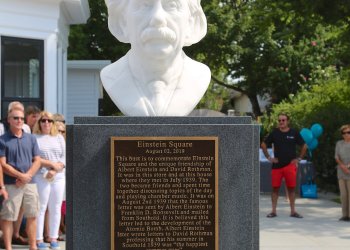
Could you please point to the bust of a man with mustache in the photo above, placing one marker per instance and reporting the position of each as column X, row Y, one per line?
column 155, row 77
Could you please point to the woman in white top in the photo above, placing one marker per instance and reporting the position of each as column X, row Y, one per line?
column 50, row 178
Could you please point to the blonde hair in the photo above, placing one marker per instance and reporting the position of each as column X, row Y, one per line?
column 37, row 127
column 59, row 117
column 61, row 124
column 342, row 128
column 14, row 108
column 15, row 105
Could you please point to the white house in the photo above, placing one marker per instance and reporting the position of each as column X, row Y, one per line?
column 84, row 88
column 243, row 105
column 33, row 57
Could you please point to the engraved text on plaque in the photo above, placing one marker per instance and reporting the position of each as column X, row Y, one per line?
column 164, row 193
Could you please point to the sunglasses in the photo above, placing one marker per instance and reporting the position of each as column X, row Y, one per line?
column 62, row 131
column 282, row 120
column 345, row 132
column 16, row 118
column 46, row 120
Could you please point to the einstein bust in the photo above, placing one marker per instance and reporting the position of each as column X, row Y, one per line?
column 155, row 77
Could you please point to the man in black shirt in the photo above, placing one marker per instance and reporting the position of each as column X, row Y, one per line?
column 284, row 162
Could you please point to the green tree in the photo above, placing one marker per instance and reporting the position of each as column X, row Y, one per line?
column 336, row 12
column 256, row 47
column 264, row 47
column 93, row 40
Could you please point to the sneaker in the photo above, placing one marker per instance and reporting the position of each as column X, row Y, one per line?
column 41, row 245
column 54, row 245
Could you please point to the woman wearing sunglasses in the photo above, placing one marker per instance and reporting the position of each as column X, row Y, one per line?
column 342, row 157
column 50, row 178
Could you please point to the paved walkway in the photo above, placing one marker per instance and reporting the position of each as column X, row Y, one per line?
column 17, row 247
column 318, row 230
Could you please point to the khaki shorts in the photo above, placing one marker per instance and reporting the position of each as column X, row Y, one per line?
column 26, row 196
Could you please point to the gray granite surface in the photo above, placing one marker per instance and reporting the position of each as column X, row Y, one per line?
column 88, row 175
column 162, row 120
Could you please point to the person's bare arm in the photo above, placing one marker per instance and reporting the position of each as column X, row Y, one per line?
column 36, row 163
column 342, row 165
column 11, row 171
column 301, row 156
column 303, row 151
column 266, row 153
column 3, row 191
column 57, row 166
column 264, row 149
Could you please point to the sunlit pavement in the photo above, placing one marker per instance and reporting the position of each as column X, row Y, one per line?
column 318, row 230
column 18, row 247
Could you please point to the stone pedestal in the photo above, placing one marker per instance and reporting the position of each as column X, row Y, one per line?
column 89, row 174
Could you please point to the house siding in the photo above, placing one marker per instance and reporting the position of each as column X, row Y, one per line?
column 84, row 88
column 48, row 21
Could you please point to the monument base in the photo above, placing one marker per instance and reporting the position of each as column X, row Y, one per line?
column 91, row 192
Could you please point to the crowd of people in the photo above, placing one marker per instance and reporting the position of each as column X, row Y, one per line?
column 285, row 161
column 32, row 177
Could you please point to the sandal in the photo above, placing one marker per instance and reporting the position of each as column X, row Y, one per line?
column 271, row 215
column 296, row 215
column 19, row 241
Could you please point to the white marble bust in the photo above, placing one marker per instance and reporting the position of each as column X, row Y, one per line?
column 156, row 78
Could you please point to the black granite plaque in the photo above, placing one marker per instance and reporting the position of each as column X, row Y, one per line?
column 164, row 193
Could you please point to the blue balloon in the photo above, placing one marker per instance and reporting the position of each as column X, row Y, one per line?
column 313, row 144
column 307, row 135
column 316, row 130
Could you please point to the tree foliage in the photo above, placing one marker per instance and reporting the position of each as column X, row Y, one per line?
column 257, row 47
column 266, row 47
column 93, row 40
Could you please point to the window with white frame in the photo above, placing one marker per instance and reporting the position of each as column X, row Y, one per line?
column 22, row 72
